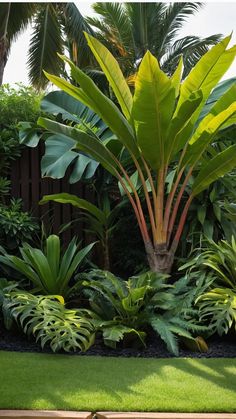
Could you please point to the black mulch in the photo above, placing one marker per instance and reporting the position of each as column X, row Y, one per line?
column 224, row 347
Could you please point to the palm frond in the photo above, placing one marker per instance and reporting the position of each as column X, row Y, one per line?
column 46, row 42
column 74, row 24
column 145, row 19
column 173, row 19
column 14, row 18
column 113, row 16
column 192, row 48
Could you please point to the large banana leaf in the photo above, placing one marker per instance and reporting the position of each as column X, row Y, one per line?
column 203, row 137
column 181, row 125
column 154, row 101
column 84, row 142
column 208, row 71
column 58, row 156
column 114, row 75
column 90, row 95
column 60, row 151
column 219, row 92
column 222, row 97
column 176, row 78
column 70, row 109
column 223, row 163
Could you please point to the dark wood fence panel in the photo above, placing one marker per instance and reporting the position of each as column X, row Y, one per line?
column 27, row 184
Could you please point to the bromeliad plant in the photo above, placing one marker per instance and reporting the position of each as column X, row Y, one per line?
column 158, row 127
column 50, row 271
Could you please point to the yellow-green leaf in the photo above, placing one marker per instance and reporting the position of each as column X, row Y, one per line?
column 223, row 163
column 154, row 101
column 113, row 73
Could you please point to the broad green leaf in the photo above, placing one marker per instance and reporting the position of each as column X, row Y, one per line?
column 74, row 265
column 113, row 73
column 59, row 102
column 66, row 198
column 42, row 268
column 58, row 156
column 91, row 96
column 153, row 106
column 28, row 134
column 223, row 103
column 83, row 167
column 84, row 142
column 181, row 126
column 69, row 88
column 201, row 214
column 18, row 264
column 220, row 90
column 204, row 135
column 176, row 77
column 223, row 163
column 208, row 71
column 53, row 247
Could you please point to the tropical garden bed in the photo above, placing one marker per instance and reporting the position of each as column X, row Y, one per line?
column 218, row 347
column 137, row 288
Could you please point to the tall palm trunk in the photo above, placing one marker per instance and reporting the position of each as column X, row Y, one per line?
column 3, row 59
column 3, row 38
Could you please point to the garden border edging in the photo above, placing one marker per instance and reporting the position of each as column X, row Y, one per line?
column 53, row 414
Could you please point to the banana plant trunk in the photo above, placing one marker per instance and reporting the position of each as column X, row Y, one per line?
column 160, row 259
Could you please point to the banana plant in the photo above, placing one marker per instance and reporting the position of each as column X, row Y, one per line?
column 60, row 152
column 158, row 128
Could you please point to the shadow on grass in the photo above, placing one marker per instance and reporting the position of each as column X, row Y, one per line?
column 42, row 381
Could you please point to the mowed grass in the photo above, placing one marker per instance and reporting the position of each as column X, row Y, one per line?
column 43, row 381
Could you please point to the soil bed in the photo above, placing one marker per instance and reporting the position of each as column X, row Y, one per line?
column 219, row 347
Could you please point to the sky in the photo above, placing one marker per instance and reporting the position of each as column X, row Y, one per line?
column 215, row 17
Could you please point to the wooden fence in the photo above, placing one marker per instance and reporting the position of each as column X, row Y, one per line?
column 27, row 184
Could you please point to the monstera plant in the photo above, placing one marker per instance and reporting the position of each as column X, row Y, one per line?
column 160, row 131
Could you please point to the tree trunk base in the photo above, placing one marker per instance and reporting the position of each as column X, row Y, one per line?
column 160, row 259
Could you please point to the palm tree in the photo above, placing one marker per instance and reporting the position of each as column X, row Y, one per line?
column 14, row 17
column 130, row 29
column 56, row 26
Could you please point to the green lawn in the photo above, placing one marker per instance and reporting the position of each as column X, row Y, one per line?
column 42, row 381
